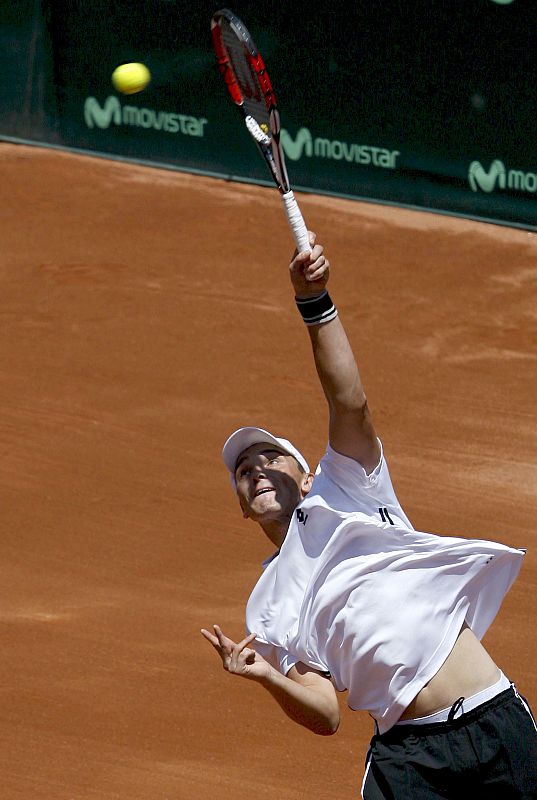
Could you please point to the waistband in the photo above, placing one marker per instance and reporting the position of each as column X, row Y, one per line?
column 398, row 733
column 461, row 706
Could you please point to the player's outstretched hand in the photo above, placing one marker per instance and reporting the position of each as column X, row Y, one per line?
column 237, row 657
column 309, row 271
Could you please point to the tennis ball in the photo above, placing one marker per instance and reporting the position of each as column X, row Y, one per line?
column 131, row 78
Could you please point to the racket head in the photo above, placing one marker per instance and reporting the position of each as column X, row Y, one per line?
column 246, row 77
column 242, row 67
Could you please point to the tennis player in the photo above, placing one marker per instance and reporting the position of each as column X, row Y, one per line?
column 355, row 599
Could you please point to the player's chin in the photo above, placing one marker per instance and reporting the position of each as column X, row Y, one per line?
column 265, row 506
column 265, row 509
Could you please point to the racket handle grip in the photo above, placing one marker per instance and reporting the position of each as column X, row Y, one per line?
column 296, row 222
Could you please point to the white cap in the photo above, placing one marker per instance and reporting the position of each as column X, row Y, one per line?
column 246, row 437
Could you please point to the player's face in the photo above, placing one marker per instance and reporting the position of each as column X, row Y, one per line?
column 270, row 484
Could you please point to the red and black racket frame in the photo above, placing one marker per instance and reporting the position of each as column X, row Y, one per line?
column 262, row 87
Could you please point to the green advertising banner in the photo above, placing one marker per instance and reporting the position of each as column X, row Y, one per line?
column 427, row 104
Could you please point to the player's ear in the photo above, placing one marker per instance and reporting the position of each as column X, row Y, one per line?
column 307, row 480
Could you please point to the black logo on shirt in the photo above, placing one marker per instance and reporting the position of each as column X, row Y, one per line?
column 301, row 516
column 385, row 517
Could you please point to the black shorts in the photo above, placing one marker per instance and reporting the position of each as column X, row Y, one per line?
column 489, row 753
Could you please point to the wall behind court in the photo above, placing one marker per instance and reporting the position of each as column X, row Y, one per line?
column 428, row 104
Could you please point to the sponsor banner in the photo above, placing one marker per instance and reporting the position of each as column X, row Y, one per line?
column 421, row 112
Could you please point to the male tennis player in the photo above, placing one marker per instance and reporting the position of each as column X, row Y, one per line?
column 355, row 599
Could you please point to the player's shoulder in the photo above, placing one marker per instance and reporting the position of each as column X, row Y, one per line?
column 341, row 483
column 344, row 470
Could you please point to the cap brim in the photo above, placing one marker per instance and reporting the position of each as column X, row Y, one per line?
column 244, row 438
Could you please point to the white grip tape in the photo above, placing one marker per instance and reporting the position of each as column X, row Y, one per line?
column 296, row 223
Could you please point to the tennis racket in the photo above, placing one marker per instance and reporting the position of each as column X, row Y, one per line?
column 249, row 85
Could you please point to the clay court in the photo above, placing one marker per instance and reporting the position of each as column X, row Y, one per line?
column 145, row 315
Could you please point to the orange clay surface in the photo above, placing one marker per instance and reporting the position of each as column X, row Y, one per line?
column 145, row 314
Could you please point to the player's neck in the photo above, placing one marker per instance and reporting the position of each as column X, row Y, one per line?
column 276, row 530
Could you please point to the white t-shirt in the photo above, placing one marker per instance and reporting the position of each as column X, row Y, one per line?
column 357, row 592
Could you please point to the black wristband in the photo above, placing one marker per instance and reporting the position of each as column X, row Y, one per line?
column 316, row 310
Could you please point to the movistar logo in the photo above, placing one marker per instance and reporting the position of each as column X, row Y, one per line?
column 319, row 147
column 486, row 181
column 102, row 117
column 498, row 176
column 293, row 148
column 113, row 112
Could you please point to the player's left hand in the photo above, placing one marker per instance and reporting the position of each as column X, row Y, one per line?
column 309, row 271
column 237, row 657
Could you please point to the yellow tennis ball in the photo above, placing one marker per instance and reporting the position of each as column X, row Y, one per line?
column 131, row 78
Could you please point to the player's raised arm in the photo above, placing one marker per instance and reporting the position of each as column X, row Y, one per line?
column 351, row 430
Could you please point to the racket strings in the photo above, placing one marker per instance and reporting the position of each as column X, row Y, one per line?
column 246, row 68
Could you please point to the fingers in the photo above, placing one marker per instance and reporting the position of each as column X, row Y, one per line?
column 236, row 657
column 304, row 253
column 245, row 642
column 241, row 654
column 242, row 657
column 210, row 638
column 309, row 259
column 312, row 265
column 220, row 636
column 231, row 652
column 220, row 642
column 317, row 268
